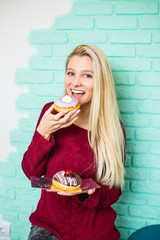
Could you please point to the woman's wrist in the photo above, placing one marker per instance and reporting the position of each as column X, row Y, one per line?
column 43, row 134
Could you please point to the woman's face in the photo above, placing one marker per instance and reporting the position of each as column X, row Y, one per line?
column 79, row 78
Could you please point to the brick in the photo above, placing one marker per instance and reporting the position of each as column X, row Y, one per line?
column 126, row 187
column 23, row 227
column 128, row 222
column 59, row 77
column 16, row 183
column 7, row 169
column 135, row 120
column 47, row 90
column 74, row 23
column 28, row 101
column 128, row 161
column 27, row 195
column 154, row 201
column 29, row 76
column 33, row 114
column 120, row 209
column 132, row 198
column 154, row 175
column 18, row 136
column 155, row 93
column 150, row 22
column 145, row 187
column 124, row 78
column 14, row 158
column 96, row 8
column 6, row 193
column 147, row 161
column 47, row 37
column 116, row 22
column 13, row 205
column 137, row 147
column 63, row 50
column 137, row 7
column 15, row 235
column 130, row 64
column 20, row 172
column 156, row 36
column 46, row 63
column 27, row 124
column 136, row 174
column 124, row 233
column 149, row 79
column 151, row 222
column 125, row 107
column 156, row 65
column 118, row 50
column 10, row 216
column 145, row 212
column 137, row 36
column 147, row 134
column 148, row 51
column 20, row 147
column 155, row 121
column 24, row 237
column 149, row 106
column 23, row 217
column 87, row 37
column 155, row 148
column 44, row 50
column 129, row 133
column 132, row 92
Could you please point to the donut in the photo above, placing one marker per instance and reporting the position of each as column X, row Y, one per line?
column 66, row 103
column 66, row 181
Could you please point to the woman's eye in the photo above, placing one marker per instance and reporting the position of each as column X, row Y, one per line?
column 88, row 76
column 70, row 73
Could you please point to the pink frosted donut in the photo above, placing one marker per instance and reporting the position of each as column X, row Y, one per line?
column 67, row 180
column 66, row 103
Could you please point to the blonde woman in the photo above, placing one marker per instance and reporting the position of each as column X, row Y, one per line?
column 90, row 142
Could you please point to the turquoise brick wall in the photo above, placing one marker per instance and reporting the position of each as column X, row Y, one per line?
column 129, row 33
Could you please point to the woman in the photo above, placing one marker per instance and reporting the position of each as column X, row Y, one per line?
column 90, row 142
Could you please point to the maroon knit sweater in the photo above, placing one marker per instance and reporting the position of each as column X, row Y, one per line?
column 87, row 217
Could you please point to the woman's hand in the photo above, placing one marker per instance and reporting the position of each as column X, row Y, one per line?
column 90, row 191
column 51, row 123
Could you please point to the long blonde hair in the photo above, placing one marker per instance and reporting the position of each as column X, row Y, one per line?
column 106, row 138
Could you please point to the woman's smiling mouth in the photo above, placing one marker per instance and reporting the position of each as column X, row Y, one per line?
column 77, row 93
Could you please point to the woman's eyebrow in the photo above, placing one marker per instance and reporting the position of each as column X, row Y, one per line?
column 81, row 70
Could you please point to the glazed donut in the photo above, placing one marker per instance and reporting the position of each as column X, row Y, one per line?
column 66, row 181
column 66, row 103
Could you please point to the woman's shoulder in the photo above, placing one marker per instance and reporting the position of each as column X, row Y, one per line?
column 48, row 105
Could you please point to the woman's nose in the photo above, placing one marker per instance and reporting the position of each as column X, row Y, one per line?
column 76, row 81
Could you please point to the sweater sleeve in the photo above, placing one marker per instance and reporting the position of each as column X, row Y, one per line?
column 35, row 158
column 104, row 196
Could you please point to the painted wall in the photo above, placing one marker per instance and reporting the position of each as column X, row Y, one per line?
column 129, row 33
